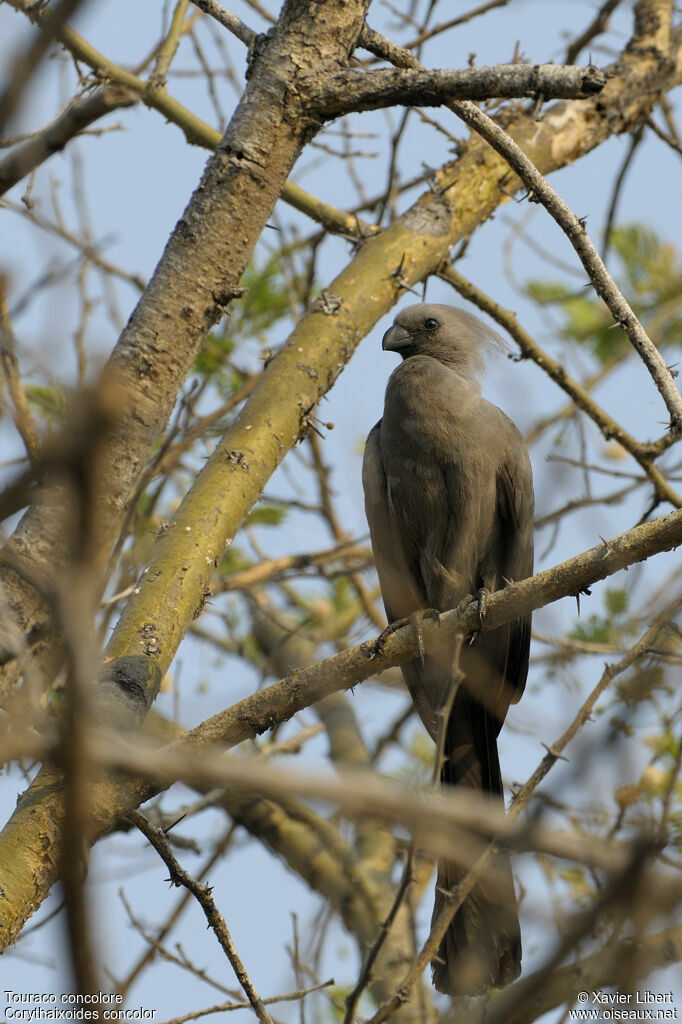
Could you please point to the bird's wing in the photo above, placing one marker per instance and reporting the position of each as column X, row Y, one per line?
column 401, row 586
column 401, row 592
column 515, row 508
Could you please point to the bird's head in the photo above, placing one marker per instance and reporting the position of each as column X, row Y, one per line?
column 452, row 336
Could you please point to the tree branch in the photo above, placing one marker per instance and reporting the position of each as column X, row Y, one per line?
column 348, row 552
column 228, row 20
column 346, row 91
column 202, row 894
column 24, row 65
column 79, row 114
column 582, row 399
column 538, row 993
column 574, row 228
column 596, row 27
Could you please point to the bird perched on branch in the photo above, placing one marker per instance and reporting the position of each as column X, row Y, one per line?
column 449, row 500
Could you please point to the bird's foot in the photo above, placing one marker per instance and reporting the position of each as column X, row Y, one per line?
column 481, row 598
column 415, row 622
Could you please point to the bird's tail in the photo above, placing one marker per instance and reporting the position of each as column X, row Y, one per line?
column 482, row 946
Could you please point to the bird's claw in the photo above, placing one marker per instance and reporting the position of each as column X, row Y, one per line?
column 415, row 622
column 380, row 641
column 481, row 599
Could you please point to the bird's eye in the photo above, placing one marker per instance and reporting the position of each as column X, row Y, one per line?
column 431, row 324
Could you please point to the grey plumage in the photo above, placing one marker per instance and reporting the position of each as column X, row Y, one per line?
column 449, row 501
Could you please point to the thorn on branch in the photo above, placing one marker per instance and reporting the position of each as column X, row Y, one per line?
column 236, row 458
column 553, row 752
column 538, row 104
column 327, row 303
column 400, row 278
column 223, row 297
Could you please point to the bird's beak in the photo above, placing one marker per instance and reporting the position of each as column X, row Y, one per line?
column 395, row 338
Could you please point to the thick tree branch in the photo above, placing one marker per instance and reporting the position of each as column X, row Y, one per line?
column 653, row 24
column 346, row 91
column 198, row 274
column 26, row 62
column 454, row 823
column 79, row 114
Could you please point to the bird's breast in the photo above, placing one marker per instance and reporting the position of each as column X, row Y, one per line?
column 429, row 410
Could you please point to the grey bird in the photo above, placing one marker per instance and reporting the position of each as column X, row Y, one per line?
column 449, row 501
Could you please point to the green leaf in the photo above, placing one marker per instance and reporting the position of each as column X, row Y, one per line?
column 213, row 354
column 616, row 600
column 52, row 403
column 547, row 292
column 650, row 276
column 232, row 561
column 267, row 515
column 607, row 627
column 266, row 300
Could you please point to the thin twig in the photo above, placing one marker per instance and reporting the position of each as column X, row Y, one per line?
column 202, row 894
column 639, row 650
column 124, row 985
column 82, row 111
column 288, row 997
column 169, row 47
column 228, row 20
column 365, row 976
column 87, row 251
column 637, row 137
column 668, row 139
column 609, row 427
column 23, row 417
column 541, row 191
column 596, row 27
column 444, row 26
